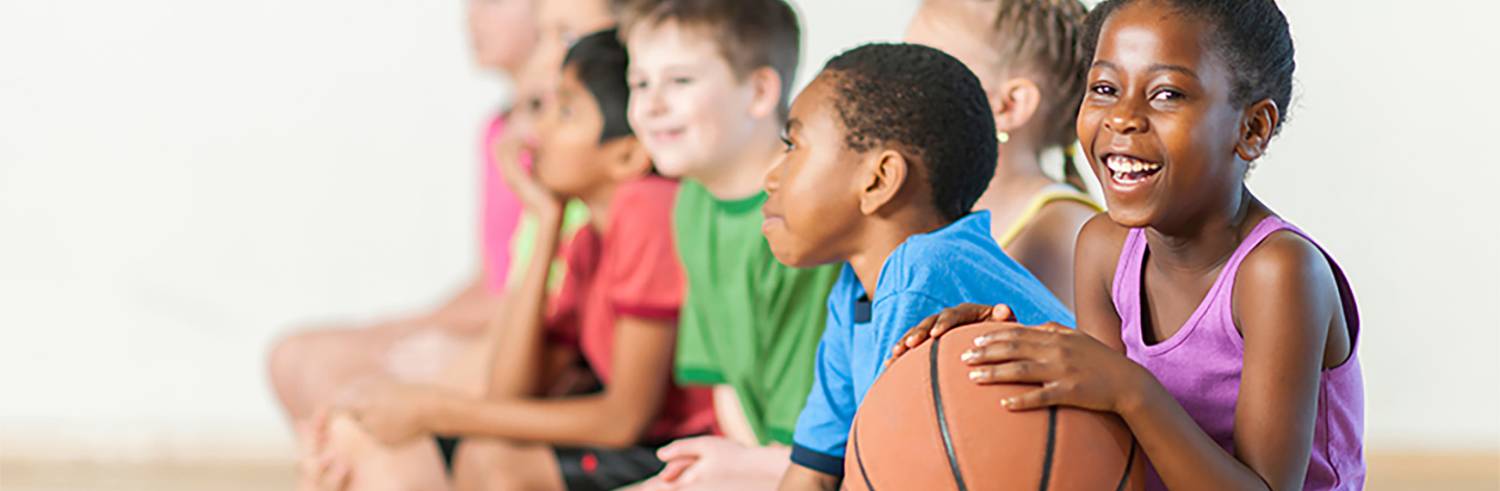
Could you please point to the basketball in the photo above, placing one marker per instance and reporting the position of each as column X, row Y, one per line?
column 924, row 425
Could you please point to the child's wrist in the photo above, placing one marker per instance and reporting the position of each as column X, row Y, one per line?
column 1140, row 388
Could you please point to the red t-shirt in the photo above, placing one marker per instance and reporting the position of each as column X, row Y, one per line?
column 631, row 271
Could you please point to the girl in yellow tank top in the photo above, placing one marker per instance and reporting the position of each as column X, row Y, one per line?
column 1029, row 56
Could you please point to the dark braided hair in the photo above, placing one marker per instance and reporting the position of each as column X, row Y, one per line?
column 1046, row 37
column 1251, row 37
column 926, row 105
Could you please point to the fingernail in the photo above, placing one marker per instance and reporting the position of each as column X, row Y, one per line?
column 979, row 341
column 967, row 356
column 975, row 374
column 1007, row 402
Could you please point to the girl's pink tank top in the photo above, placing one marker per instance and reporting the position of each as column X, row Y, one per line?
column 1201, row 364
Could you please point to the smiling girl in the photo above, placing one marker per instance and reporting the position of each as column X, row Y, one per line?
column 1224, row 336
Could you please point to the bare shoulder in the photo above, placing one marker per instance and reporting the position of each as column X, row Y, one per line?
column 1059, row 222
column 1285, row 283
column 1100, row 241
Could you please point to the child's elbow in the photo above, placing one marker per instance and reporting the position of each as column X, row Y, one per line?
column 622, row 427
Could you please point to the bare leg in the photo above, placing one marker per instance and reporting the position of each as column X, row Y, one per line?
column 499, row 465
column 307, row 368
column 412, row 466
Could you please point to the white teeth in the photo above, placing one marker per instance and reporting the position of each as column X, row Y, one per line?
column 1122, row 164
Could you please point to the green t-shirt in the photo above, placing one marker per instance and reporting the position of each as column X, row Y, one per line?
column 747, row 321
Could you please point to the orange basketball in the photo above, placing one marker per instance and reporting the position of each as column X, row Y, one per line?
column 924, row 425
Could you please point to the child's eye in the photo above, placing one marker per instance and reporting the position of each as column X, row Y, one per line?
column 681, row 80
column 638, row 85
column 1166, row 95
column 1102, row 89
column 787, row 142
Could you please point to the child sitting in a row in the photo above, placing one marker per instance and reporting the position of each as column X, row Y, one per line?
column 617, row 309
column 886, row 152
column 1222, row 335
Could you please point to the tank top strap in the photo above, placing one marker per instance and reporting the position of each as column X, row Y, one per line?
column 1125, row 291
column 1053, row 192
column 1264, row 229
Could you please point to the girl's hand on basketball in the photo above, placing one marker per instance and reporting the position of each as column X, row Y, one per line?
column 1073, row 368
column 392, row 413
column 952, row 317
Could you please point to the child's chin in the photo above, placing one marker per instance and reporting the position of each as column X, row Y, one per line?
column 1131, row 216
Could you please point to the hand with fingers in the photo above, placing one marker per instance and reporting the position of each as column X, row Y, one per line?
column 391, row 412
column 510, row 151
column 714, row 462
column 942, row 322
column 1073, row 368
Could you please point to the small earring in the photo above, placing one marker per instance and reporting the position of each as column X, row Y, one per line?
column 1002, row 136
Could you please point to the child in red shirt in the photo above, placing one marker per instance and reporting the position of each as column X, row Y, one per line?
column 616, row 310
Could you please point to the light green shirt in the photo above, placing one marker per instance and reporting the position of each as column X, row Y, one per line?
column 748, row 321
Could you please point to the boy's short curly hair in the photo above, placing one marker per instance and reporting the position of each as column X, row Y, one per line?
column 750, row 34
column 926, row 105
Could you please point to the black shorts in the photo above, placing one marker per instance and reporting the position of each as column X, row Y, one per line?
column 588, row 469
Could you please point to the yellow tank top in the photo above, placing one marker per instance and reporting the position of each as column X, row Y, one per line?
column 1054, row 192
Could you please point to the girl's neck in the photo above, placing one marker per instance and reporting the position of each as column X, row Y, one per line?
column 1018, row 177
column 1203, row 242
column 745, row 175
column 1019, row 167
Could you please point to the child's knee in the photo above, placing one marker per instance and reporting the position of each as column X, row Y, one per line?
column 288, row 354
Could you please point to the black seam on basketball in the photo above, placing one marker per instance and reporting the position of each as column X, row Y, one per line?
column 942, row 420
column 1129, row 462
column 1051, row 447
column 861, row 461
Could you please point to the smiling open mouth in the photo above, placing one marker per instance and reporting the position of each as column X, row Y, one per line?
column 1130, row 170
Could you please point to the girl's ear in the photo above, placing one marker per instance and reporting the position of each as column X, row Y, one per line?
column 767, row 86
column 887, row 173
column 1256, row 128
column 1014, row 103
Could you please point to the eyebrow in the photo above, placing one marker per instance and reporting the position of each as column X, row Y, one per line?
column 1155, row 67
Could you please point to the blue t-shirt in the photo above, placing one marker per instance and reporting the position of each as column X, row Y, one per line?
column 929, row 272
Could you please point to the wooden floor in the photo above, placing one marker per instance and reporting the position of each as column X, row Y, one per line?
column 1387, row 472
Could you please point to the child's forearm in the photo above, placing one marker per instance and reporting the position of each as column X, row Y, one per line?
column 1183, row 455
column 798, row 478
column 517, row 335
column 593, row 420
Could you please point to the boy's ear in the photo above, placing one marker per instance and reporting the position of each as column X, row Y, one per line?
column 628, row 158
column 888, row 172
column 767, row 87
column 1014, row 103
column 1256, row 128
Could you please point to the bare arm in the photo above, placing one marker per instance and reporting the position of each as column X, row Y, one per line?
column 1284, row 320
column 615, row 418
column 517, row 334
column 1284, row 315
column 1047, row 246
column 731, row 416
column 801, row 478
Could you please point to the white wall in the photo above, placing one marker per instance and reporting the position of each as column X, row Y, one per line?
column 182, row 180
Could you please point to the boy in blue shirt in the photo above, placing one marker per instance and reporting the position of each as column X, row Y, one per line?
column 887, row 151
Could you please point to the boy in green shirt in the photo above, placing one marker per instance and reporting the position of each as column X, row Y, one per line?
column 709, row 83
